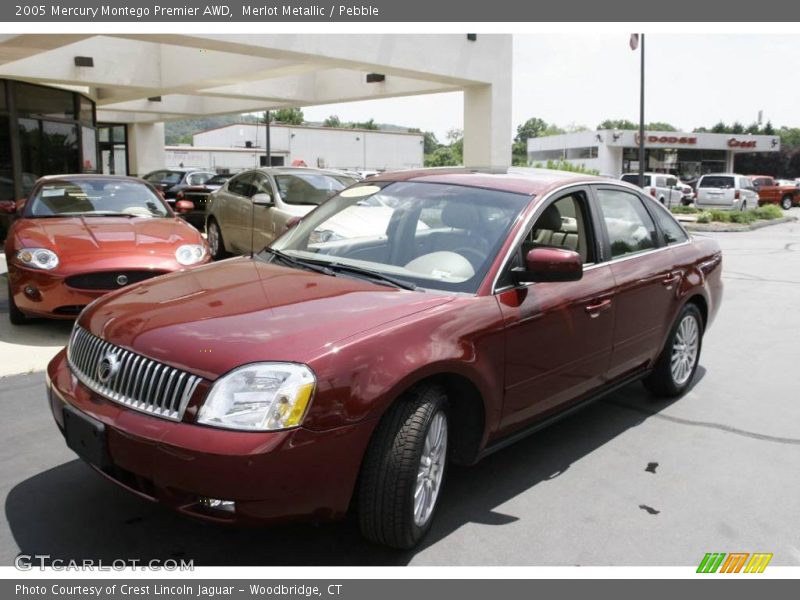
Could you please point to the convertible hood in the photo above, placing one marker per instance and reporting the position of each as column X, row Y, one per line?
column 210, row 319
column 76, row 236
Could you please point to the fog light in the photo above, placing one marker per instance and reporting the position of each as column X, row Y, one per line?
column 32, row 292
column 228, row 506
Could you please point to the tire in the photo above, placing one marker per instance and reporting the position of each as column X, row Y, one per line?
column 787, row 202
column 15, row 315
column 217, row 246
column 402, row 462
column 666, row 381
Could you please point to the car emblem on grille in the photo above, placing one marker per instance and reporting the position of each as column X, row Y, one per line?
column 122, row 280
column 107, row 368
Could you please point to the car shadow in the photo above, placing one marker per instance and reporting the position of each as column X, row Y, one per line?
column 71, row 513
column 36, row 332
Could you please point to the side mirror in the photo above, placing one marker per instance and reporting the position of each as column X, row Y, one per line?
column 262, row 199
column 549, row 264
column 293, row 222
column 184, row 206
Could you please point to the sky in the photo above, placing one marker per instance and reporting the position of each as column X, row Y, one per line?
column 691, row 80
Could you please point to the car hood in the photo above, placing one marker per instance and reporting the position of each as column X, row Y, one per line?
column 76, row 236
column 211, row 319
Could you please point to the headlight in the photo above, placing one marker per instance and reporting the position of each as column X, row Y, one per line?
column 259, row 397
column 190, row 254
column 38, row 258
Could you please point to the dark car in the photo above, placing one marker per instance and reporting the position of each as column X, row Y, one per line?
column 78, row 237
column 324, row 374
column 171, row 181
column 199, row 195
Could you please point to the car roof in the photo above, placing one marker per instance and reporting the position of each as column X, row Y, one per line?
column 520, row 180
column 721, row 175
column 290, row 170
column 89, row 176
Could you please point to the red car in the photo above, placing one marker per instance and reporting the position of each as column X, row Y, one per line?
column 78, row 237
column 771, row 192
column 329, row 373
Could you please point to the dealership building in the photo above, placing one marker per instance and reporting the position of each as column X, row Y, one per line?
column 231, row 148
column 613, row 152
column 98, row 103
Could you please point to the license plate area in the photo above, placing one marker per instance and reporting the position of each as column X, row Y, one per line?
column 86, row 437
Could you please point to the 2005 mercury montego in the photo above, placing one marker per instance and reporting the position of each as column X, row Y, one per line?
column 348, row 370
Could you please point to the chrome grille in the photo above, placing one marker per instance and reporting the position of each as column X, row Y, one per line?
column 137, row 382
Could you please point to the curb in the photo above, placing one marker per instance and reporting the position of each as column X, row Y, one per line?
column 735, row 227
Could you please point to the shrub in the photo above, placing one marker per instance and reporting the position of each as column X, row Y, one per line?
column 704, row 217
column 769, row 212
column 723, row 216
column 743, row 216
column 684, row 210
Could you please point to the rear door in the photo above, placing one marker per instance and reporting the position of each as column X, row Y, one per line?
column 237, row 215
column 558, row 334
column 645, row 275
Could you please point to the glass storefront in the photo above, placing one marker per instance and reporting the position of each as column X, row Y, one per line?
column 687, row 164
column 43, row 131
column 113, row 149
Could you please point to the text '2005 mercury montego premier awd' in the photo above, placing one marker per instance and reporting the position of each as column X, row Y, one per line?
column 413, row 320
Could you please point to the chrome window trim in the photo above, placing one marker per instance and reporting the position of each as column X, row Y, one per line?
column 545, row 199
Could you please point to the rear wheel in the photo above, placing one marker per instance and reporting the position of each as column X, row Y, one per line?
column 786, row 202
column 215, row 244
column 676, row 366
column 404, row 470
column 15, row 315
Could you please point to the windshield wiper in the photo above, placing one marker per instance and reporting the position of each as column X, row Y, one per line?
column 109, row 214
column 297, row 263
column 374, row 275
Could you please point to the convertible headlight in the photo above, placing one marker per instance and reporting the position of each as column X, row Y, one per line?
column 190, row 254
column 259, row 397
column 38, row 258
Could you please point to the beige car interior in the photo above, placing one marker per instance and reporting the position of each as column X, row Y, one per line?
column 561, row 225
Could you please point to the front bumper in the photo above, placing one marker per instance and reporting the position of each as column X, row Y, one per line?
column 271, row 476
column 53, row 298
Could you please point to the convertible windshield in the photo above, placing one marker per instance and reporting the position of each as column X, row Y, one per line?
column 96, row 197
column 310, row 188
column 431, row 235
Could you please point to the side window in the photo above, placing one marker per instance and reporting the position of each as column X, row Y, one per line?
column 241, row 185
column 563, row 224
column 629, row 226
column 671, row 182
column 672, row 232
column 261, row 185
column 198, row 178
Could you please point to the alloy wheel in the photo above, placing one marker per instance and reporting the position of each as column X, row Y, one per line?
column 684, row 349
column 431, row 470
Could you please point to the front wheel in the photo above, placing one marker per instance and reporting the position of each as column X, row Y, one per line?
column 675, row 367
column 215, row 244
column 15, row 315
column 786, row 202
column 404, row 470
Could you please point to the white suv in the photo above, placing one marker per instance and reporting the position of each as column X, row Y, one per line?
column 662, row 186
column 725, row 190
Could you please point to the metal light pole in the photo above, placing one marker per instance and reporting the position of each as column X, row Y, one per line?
column 267, row 140
column 641, row 113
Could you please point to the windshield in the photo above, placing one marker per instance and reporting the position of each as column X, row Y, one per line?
column 95, row 196
column 310, row 188
column 218, row 180
column 437, row 236
column 716, row 181
column 166, row 177
column 634, row 179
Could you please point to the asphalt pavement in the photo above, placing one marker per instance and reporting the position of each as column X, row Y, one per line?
column 627, row 481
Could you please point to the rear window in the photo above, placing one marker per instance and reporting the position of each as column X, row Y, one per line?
column 716, row 181
column 634, row 179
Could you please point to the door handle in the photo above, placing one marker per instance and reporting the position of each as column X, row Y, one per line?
column 594, row 308
column 671, row 279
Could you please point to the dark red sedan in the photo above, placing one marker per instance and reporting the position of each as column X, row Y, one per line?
column 78, row 237
column 450, row 314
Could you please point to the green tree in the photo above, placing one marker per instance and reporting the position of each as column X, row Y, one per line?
column 660, row 126
column 444, row 156
column 364, row 124
column 618, row 124
column 332, row 121
column 533, row 127
column 289, row 116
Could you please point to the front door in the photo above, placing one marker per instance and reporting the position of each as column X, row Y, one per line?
column 558, row 335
